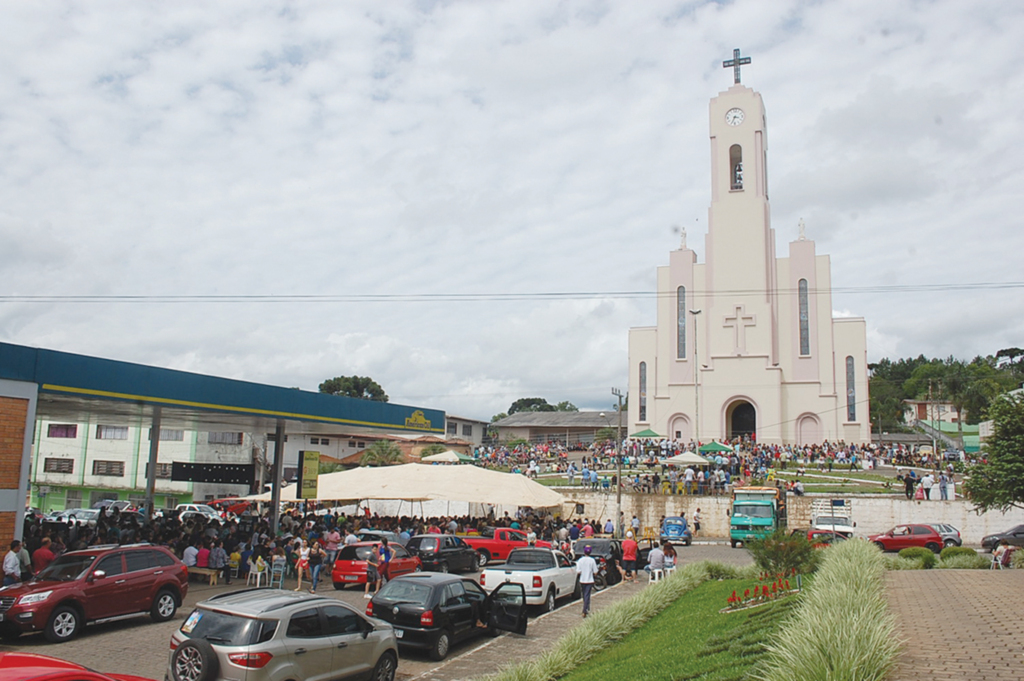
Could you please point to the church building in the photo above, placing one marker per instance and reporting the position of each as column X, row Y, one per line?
column 745, row 343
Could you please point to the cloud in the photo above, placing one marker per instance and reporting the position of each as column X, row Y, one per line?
column 463, row 148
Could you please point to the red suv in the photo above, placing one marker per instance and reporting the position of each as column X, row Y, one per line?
column 904, row 536
column 92, row 585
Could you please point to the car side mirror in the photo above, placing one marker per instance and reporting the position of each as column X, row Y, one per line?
column 889, row 533
column 97, row 574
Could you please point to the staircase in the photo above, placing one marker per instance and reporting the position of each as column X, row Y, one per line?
column 948, row 442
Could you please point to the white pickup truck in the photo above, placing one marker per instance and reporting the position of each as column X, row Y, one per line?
column 833, row 515
column 546, row 575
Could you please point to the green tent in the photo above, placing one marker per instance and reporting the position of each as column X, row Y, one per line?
column 645, row 433
column 715, row 447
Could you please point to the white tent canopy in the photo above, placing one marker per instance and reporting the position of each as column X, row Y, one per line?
column 419, row 482
column 687, row 459
column 448, row 456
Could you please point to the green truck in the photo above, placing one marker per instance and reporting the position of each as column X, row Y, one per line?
column 756, row 513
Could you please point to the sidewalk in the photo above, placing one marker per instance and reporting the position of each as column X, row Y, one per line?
column 958, row 624
column 541, row 635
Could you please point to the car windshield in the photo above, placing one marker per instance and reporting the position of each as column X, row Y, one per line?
column 753, row 510
column 66, row 568
column 404, row 591
column 833, row 520
column 221, row 628
column 531, row 559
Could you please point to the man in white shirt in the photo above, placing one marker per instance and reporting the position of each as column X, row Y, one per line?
column 12, row 566
column 586, row 568
column 927, row 482
column 188, row 557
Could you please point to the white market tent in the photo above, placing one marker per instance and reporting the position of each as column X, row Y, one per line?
column 449, row 456
column 687, row 459
column 419, row 482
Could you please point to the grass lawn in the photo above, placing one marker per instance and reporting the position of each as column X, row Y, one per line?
column 691, row 640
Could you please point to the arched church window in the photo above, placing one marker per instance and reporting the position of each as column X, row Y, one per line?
column 736, row 167
column 681, row 322
column 805, row 322
column 851, row 391
column 643, row 391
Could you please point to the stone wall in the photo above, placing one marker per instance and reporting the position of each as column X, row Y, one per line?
column 872, row 513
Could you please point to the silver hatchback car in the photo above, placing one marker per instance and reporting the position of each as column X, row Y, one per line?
column 274, row 635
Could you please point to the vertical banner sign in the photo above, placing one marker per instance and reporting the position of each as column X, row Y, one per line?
column 310, row 473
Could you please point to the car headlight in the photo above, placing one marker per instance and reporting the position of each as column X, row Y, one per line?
column 35, row 598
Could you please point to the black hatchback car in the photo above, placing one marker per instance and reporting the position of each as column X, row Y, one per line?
column 442, row 552
column 433, row 611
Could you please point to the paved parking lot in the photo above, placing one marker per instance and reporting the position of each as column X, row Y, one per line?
column 139, row 646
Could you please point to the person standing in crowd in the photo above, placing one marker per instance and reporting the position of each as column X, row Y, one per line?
column 218, row 560
column 333, row 538
column 316, row 564
column 586, row 568
column 629, row 549
column 43, row 556
column 12, row 565
column 372, row 561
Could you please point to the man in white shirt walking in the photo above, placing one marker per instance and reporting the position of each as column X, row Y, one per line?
column 12, row 565
column 586, row 568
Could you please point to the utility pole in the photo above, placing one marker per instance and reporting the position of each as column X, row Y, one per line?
column 696, row 376
column 618, row 462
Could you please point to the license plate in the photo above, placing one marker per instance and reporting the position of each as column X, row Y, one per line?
column 351, row 578
column 399, row 633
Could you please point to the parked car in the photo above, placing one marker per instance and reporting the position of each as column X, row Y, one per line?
column 82, row 516
column 676, row 530
column 93, row 585
column 377, row 535
column 904, row 536
column 432, row 611
column 207, row 513
column 350, row 564
column 495, row 543
column 443, row 552
column 35, row 667
column 950, row 535
column 547, row 575
column 1013, row 537
column 608, row 551
column 275, row 635
column 822, row 539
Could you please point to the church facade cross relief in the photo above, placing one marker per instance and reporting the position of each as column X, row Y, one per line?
column 739, row 322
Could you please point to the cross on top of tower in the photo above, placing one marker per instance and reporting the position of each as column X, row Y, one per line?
column 735, row 63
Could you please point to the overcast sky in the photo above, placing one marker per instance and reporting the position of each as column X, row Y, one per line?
column 380, row 159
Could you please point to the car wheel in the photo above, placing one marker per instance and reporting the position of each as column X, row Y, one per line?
column 733, row 542
column 880, row 545
column 340, row 586
column 549, row 602
column 442, row 643
column 63, row 625
column 950, row 542
column 933, row 547
column 443, row 567
column 419, row 568
column 164, row 606
column 482, row 559
column 689, row 541
column 385, row 669
column 600, row 582
column 194, row 660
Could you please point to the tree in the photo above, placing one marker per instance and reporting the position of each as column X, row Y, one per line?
column 330, row 467
column 530, row 404
column 566, row 406
column 381, row 453
column 997, row 481
column 498, row 417
column 432, row 449
column 360, row 387
column 605, row 435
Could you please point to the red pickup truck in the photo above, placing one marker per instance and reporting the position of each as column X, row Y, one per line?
column 497, row 543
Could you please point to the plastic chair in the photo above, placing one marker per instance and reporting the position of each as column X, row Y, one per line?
column 657, row 575
column 277, row 571
column 255, row 575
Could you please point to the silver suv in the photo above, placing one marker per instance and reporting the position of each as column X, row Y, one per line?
column 273, row 635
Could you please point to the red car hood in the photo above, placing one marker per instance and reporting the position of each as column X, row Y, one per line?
column 22, row 588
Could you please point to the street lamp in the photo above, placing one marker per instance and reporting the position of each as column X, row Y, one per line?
column 618, row 463
column 696, row 376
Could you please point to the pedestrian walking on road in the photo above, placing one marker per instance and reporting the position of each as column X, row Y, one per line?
column 586, row 568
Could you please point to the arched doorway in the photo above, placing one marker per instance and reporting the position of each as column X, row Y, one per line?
column 808, row 430
column 741, row 419
column 679, row 428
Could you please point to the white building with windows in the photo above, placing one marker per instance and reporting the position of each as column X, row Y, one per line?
column 746, row 342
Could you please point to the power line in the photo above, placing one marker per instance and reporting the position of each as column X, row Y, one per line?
column 488, row 297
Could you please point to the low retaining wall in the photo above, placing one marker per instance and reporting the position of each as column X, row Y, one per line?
column 873, row 513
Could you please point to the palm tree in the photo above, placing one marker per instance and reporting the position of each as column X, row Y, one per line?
column 381, row 453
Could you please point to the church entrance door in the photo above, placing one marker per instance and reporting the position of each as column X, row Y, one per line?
column 742, row 419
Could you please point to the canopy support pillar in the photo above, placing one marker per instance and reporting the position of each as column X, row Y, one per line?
column 276, row 474
column 154, row 450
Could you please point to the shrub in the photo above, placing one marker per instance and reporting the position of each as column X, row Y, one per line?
column 892, row 562
column 842, row 629
column 781, row 554
column 927, row 558
column 965, row 561
column 951, row 551
column 1017, row 559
